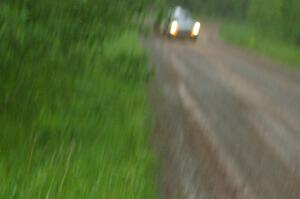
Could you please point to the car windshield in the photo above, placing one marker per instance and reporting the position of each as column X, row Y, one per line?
column 179, row 12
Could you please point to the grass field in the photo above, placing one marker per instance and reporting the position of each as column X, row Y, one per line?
column 84, row 139
column 248, row 37
column 74, row 115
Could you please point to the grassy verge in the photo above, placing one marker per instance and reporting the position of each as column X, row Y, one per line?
column 97, row 147
column 73, row 109
column 248, row 37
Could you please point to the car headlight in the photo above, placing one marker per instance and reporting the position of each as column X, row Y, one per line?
column 196, row 29
column 174, row 28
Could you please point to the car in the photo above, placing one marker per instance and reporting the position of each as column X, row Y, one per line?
column 180, row 23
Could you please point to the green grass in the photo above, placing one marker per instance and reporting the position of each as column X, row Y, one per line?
column 74, row 116
column 87, row 138
column 249, row 37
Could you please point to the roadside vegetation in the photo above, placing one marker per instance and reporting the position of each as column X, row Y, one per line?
column 74, row 118
column 271, row 27
column 249, row 37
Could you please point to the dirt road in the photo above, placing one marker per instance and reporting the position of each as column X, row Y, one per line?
column 228, row 121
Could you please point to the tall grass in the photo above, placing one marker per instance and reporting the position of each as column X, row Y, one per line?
column 73, row 107
column 265, row 44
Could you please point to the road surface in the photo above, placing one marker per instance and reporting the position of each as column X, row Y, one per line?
column 228, row 121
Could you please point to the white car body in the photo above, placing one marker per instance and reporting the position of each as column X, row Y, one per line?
column 181, row 24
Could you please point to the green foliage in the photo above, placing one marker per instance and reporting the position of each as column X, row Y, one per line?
column 266, row 18
column 251, row 38
column 73, row 103
column 128, row 51
column 276, row 17
column 291, row 19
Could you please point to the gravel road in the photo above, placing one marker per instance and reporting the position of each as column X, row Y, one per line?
column 228, row 121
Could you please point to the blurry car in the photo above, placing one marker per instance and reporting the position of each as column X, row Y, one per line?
column 180, row 23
